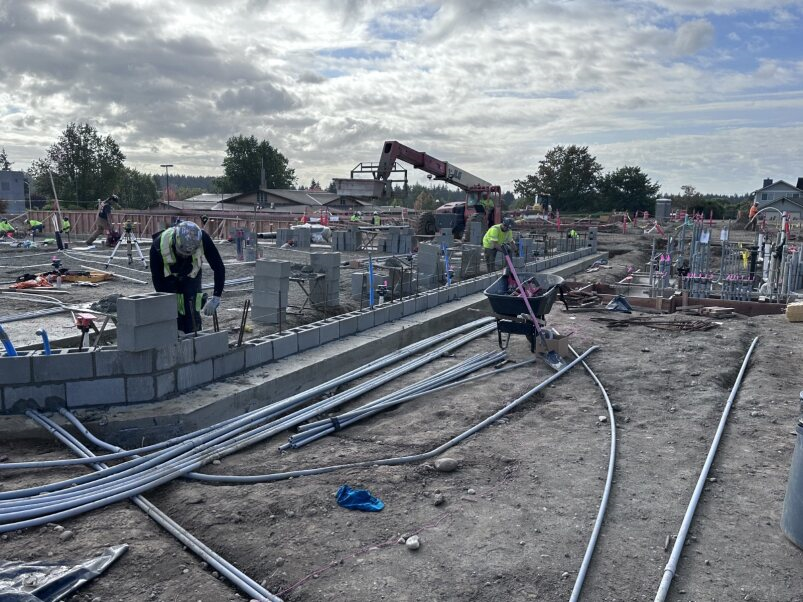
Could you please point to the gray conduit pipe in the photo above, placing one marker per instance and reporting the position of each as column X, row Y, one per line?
column 236, row 479
column 242, row 581
column 262, row 414
column 680, row 540
column 592, row 542
column 83, row 498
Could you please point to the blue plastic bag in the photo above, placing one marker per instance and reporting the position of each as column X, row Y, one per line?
column 358, row 499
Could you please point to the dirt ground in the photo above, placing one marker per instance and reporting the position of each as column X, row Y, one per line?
column 517, row 514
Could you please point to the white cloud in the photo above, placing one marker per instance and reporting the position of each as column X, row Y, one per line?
column 488, row 86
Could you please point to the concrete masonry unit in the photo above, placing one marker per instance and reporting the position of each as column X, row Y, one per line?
column 111, row 386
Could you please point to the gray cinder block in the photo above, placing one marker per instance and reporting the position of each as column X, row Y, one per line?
column 232, row 362
column 63, row 364
column 328, row 330
column 380, row 314
column 210, row 344
column 395, row 310
column 308, row 337
column 140, row 388
column 147, row 308
column 284, row 344
column 165, row 384
column 149, row 336
column 272, row 268
column 99, row 391
column 408, row 306
column 258, row 352
column 112, row 362
column 18, row 399
column 347, row 324
column 194, row 375
column 15, row 370
column 177, row 354
column 365, row 319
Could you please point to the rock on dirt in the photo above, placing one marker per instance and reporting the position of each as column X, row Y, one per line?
column 446, row 464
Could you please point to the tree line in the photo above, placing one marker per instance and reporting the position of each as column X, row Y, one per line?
column 86, row 166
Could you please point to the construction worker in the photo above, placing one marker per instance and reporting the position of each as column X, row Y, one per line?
column 355, row 217
column 6, row 229
column 35, row 226
column 497, row 237
column 572, row 234
column 175, row 259
column 66, row 226
column 102, row 220
column 377, row 220
column 751, row 221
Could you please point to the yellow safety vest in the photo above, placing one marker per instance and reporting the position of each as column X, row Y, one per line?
column 169, row 255
column 495, row 235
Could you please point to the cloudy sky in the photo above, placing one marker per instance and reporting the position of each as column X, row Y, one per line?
column 707, row 93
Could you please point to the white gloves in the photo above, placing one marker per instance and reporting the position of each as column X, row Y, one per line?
column 211, row 306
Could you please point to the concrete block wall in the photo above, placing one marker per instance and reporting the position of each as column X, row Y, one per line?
column 113, row 376
column 271, row 291
column 301, row 236
column 475, row 233
column 76, row 379
column 396, row 240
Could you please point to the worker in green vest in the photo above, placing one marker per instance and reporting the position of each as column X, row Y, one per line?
column 34, row 226
column 175, row 261
column 497, row 237
column 6, row 229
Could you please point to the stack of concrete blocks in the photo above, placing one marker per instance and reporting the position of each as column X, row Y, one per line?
column 397, row 240
column 592, row 238
column 271, row 291
column 431, row 272
column 301, row 236
column 359, row 285
column 444, row 237
column 146, row 321
column 475, row 233
column 326, row 293
column 470, row 261
column 526, row 248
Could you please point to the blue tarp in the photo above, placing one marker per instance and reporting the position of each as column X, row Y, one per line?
column 358, row 499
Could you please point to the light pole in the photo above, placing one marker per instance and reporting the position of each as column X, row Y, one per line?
column 167, row 182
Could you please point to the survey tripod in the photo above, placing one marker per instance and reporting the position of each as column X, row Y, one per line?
column 131, row 241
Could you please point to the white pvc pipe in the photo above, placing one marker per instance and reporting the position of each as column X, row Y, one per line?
column 680, row 540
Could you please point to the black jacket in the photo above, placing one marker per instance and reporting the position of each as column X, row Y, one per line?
column 179, row 281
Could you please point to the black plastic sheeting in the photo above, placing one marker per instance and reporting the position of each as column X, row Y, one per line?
column 49, row 581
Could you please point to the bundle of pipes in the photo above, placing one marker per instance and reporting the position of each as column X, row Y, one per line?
column 26, row 507
column 315, row 430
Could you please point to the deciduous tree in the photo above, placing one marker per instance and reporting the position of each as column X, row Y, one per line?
column 627, row 188
column 243, row 165
column 569, row 174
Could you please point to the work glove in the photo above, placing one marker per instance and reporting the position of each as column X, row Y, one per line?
column 211, row 306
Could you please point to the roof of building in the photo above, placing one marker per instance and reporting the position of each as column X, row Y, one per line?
column 786, row 199
column 775, row 185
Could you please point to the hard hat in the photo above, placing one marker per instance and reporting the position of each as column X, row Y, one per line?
column 507, row 222
column 188, row 238
column 376, row 212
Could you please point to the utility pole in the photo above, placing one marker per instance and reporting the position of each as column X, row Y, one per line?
column 167, row 182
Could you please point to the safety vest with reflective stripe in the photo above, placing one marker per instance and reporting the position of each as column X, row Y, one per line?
column 169, row 255
column 495, row 235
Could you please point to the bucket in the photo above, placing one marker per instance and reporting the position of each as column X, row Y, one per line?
column 792, row 518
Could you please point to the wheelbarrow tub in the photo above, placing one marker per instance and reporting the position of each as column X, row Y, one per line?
column 510, row 305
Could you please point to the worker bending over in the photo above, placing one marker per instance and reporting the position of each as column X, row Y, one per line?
column 35, row 226
column 376, row 220
column 175, row 259
column 6, row 229
column 498, row 236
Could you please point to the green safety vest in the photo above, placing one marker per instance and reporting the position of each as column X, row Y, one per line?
column 495, row 235
column 169, row 255
column 33, row 223
column 6, row 227
column 65, row 226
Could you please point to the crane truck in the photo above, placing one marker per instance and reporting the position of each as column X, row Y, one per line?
column 451, row 215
